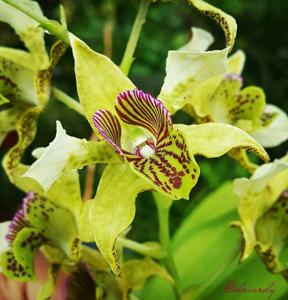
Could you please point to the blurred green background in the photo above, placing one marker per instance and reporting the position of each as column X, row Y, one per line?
column 261, row 34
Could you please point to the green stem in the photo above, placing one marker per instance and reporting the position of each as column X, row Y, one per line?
column 163, row 209
column 67, row 100
column 147, row 250
column 134, row 36
column 52, row 26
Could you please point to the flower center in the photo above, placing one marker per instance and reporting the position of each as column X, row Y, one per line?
column 146, row 148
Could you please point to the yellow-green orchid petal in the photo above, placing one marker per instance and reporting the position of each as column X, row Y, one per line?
column 236, row 62
column 99, row 80
column 257, row 195
column 110, row 213
column 38, row 222
column 216, row 139
column 185, row 70
column 28, row 30
column 17, row 81
column 271, row 233
column 66, row 153
column 137, row 271
column 276, row 131
column 4, row 246
column 8, row 119
column 200, row 41
column 85, row 228
column 227, row 22
column 19, row 57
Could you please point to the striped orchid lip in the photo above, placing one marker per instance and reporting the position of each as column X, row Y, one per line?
column 161, row 155
column 139, row 109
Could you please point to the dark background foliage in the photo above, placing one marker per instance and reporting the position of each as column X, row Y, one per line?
column 261, row 34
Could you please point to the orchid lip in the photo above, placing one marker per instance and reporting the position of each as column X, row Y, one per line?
column 160, row 153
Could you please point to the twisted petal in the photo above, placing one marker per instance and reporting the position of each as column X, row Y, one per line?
column 66, row 153
column 200, row 41
column 140, row 109
column 272, row 233
column 227, row 22
column 109, row 127
column 258, row 194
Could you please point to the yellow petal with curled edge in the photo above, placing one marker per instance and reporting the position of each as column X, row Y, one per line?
column 66, row 153
column 216, row 139
column 185, row 70
column 113, row 209
column 258, row 194
column 227, row 22
column 200, row 41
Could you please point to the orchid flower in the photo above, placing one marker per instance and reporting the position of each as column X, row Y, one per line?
column 142, row 147
column 18, row 68
column 222, row 99
column 25, row 76
column 263, row 213
column 38, row 222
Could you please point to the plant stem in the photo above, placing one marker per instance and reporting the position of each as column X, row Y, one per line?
column 134, row 36
column 148, row 250
column 52, row 26
column 67, row 100
column 163, row 209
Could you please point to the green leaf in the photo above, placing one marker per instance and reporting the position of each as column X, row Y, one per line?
column 113, row 209
column 258, row 194
column 251, row 274
column 227, row 22
column 185, row 70
column 28, row 30
column 206, row 254
column 204, row 245
column 200, row 41
column 216, row 139
column 66, row 153
column 137, row 271
column 99, row 80
column 276, row 131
